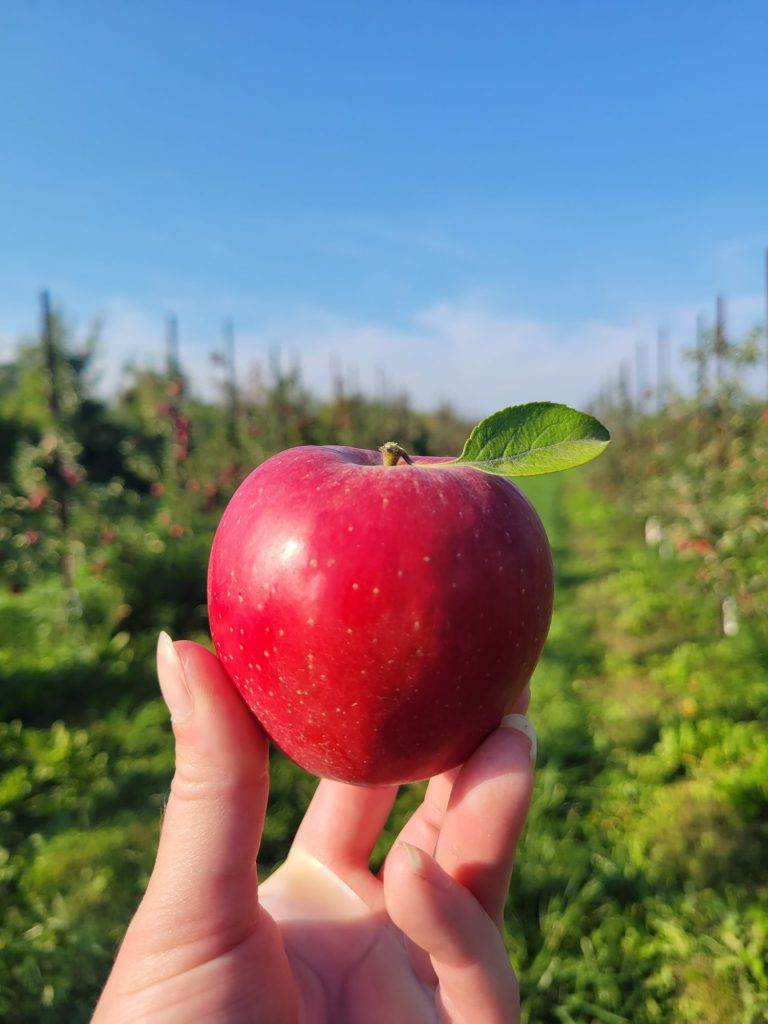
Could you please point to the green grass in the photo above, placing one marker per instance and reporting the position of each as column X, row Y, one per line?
column 639, row 893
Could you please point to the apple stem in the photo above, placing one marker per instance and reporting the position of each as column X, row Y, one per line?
column 393, row 452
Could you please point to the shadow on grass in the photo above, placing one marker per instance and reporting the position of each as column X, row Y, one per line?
column 76, row 692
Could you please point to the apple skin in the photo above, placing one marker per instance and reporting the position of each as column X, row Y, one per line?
column 378, row 620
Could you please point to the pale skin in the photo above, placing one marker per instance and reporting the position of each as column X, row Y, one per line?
column 323, row 940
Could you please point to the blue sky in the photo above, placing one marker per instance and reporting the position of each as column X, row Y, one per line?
column 486, row 202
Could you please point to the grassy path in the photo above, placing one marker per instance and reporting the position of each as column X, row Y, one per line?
column 640, row 892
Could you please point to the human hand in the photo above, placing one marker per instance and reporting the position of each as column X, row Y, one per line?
column 323, row 940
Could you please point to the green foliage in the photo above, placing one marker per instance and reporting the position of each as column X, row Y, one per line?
column 533, row 439
column 79, row 809
column 639, row 892
column 697, row 474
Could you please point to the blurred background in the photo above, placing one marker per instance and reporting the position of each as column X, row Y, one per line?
column 228, row 229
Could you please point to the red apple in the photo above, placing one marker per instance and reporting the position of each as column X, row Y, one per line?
column 378, row 620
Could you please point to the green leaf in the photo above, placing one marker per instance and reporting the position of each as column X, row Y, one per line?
column 532, row 439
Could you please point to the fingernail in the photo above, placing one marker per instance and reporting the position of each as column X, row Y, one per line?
column 421, row 865
column 523, row 725
column 173, row 682
column 415, row 860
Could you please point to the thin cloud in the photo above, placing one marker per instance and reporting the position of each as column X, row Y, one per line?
column 465, row 350
column 462, row 351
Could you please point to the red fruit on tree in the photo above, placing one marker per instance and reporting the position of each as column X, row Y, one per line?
column 37, row 497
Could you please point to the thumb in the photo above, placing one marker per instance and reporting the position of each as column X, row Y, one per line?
column 205, row 872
